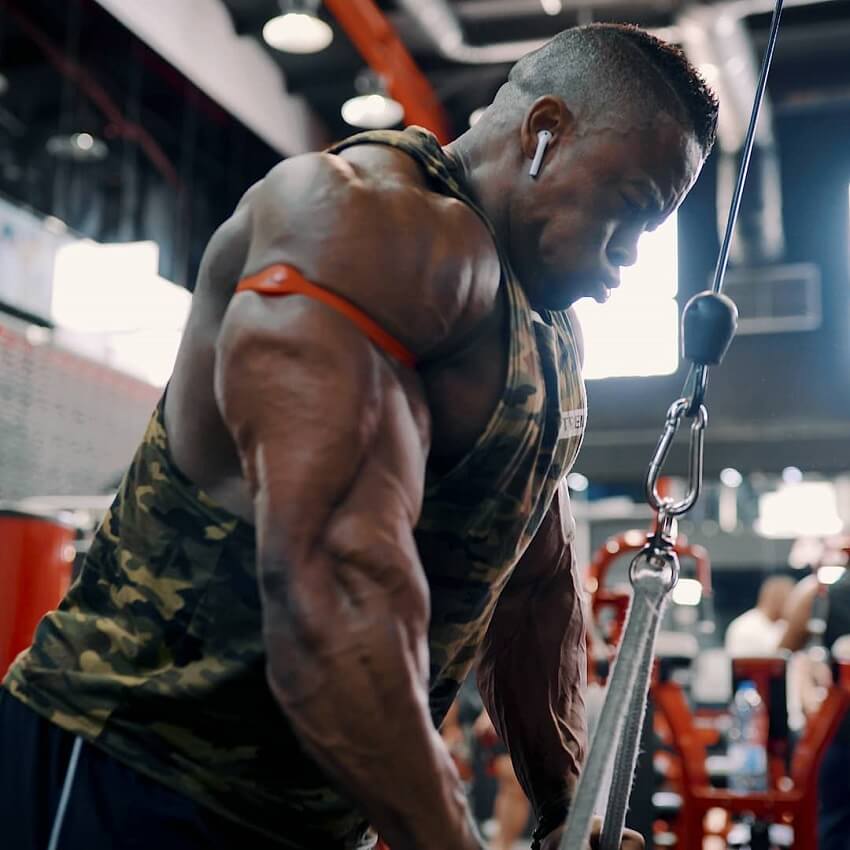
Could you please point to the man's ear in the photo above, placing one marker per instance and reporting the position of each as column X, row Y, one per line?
column 546, row 113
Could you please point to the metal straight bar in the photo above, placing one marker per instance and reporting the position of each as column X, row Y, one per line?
column 723, row 257
column 377, row 42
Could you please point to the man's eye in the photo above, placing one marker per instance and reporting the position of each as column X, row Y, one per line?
column 632, row 206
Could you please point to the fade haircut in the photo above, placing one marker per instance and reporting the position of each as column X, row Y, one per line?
column 615, row 73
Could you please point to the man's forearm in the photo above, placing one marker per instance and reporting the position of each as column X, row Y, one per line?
column 356, row 697
column 532, row 682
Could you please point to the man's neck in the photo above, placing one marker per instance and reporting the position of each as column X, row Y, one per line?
column 478, row 154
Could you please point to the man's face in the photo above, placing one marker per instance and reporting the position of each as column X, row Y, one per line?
column 579, row 222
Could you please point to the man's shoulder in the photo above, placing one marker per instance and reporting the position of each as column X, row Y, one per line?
column 368, row 227
column 373, row 188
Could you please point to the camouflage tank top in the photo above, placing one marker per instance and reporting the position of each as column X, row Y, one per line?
column 156, row 654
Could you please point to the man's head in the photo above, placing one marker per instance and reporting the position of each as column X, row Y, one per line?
column 773, row 595
column 631, row 123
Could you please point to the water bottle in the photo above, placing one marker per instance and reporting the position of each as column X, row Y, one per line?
column 747, row 754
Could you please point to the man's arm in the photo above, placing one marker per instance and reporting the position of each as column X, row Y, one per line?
column 532, row 675
column 333, row 438
column 799, row 613
column 533, row 668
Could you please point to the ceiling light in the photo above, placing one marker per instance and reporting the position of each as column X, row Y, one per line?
column 81, row 147
column 731, row 477
column 552, row 7
column 372, row 111
column 299, row 29
column 792, row 475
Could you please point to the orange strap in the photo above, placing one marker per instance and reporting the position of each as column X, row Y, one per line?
column 281, row 279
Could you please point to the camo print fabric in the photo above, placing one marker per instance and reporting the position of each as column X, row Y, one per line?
column 156, row 654
column 479, row 518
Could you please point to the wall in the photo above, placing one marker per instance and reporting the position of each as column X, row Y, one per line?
column 67, row 424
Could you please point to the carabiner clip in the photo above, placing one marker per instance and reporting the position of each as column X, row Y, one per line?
column 675, row 414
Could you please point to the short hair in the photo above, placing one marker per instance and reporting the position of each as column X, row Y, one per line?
column 618, row 71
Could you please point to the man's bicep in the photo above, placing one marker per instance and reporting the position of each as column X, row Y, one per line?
column 308, row 400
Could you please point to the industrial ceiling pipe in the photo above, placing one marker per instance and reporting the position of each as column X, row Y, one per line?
column 378, row 43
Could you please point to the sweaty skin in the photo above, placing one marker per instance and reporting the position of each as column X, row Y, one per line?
column 286, row 415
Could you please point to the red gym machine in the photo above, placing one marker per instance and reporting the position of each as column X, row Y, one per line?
column 791, row 797
column 36, row 557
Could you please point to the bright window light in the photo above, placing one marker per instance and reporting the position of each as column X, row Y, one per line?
column 688, row 591
column 109, row 303
column 637, row 331
column 99, row 288
column 807, row 508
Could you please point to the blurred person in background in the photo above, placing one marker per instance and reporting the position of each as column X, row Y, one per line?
column 759, row 630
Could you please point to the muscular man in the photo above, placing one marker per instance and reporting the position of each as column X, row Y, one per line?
column 350, row 492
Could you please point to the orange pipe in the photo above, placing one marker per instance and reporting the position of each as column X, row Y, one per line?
column 378, row 43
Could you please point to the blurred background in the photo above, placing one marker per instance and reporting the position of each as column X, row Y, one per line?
column 129, row 131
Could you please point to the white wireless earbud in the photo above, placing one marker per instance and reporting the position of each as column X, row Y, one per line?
column 543, row 139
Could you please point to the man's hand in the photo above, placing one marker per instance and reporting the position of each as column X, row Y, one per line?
column 631, row 840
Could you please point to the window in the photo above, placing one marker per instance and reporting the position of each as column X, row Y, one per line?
column 110, row 304
column 637, row 331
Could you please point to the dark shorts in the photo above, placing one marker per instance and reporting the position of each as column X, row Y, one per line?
column 110, row 805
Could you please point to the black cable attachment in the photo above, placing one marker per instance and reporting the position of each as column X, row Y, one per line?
column 708, row 326
column 709, row 321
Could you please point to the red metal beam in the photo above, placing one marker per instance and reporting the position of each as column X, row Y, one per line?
column 378, row 43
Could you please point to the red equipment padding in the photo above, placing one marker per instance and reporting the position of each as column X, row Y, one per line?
column 36, row 555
